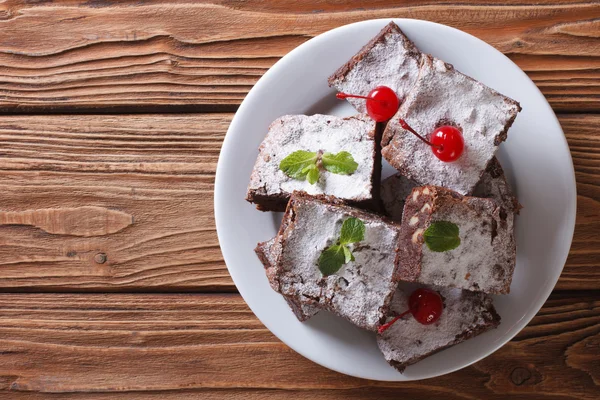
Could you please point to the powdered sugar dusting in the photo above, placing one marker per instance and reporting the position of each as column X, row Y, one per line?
column 361, row 289
column 272, row 250
column 313, row 133
column 481, row 113
column 484, row 260
column 391, row 62
column 465, row 314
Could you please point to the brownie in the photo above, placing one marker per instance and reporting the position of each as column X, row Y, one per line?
column 394, row 190
column 270, row 188
column 360, row 290
column 267, row 253
column 492, row 185
column 484, row 260
column 444, row 96
column 389, row 59
column 465, row 315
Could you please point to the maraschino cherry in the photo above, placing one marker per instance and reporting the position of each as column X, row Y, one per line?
column 446, row 141
column 424, row 304
column 382, row 102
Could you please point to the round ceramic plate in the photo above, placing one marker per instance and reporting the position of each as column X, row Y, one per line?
column 536, row 159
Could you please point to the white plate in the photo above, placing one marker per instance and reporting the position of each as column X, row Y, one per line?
column 535, row 157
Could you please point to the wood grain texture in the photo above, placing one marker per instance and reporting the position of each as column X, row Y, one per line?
column 80, row 221
column 583, row 263
column 154, row 175
column 110, row 202
column 212, row 346
column 152, row 55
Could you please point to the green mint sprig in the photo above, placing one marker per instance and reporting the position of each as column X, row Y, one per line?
column 300, row 164
column 303, row 165
column 333, row 257
column 341, row 163
column 442, row 236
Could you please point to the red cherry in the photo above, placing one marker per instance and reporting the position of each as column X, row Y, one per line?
column 424, row 304
column 446, row 142
column 382, row 102
column 450, row 141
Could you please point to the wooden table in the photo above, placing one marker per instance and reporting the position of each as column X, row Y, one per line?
column 111, row 278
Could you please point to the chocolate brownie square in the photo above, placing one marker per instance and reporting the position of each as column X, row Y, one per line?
column 362, row 288
column 485, row 256
column 270, row 187
column 444, row 96
column 465, row 315
column 389, row 59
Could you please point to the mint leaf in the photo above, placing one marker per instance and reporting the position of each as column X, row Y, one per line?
column 341, row 163
column 312, row 173
column 332, row 259
column 442, row 236
column 348, row 255
column 353, row 230
column 295, row 165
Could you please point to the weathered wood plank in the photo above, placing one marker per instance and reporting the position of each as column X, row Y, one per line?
column 144, row 185
column 582, row 269
column 211, row 346
column 153, row 55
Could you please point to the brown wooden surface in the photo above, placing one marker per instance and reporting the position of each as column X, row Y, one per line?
column 105, row 213
column 213, row 344
column 155, row 56
column 155, row 171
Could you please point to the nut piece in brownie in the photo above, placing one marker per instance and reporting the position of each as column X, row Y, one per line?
column 493, row 185
column 267, row 253
column 444, row 96
column 322, row 136
column 361, row 286
column 389, row 59
column 457, row 241
column 465, row 315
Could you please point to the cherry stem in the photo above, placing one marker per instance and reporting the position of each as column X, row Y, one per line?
column 385, row 326
column 343, row 96
column 411, row 130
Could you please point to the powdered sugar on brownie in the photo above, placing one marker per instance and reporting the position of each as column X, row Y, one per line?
column 313, row 133
column 466, row 314
column 390, row 59
column 361, row 290
column 268, row 253
column 484, row 260
column 444, row 96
